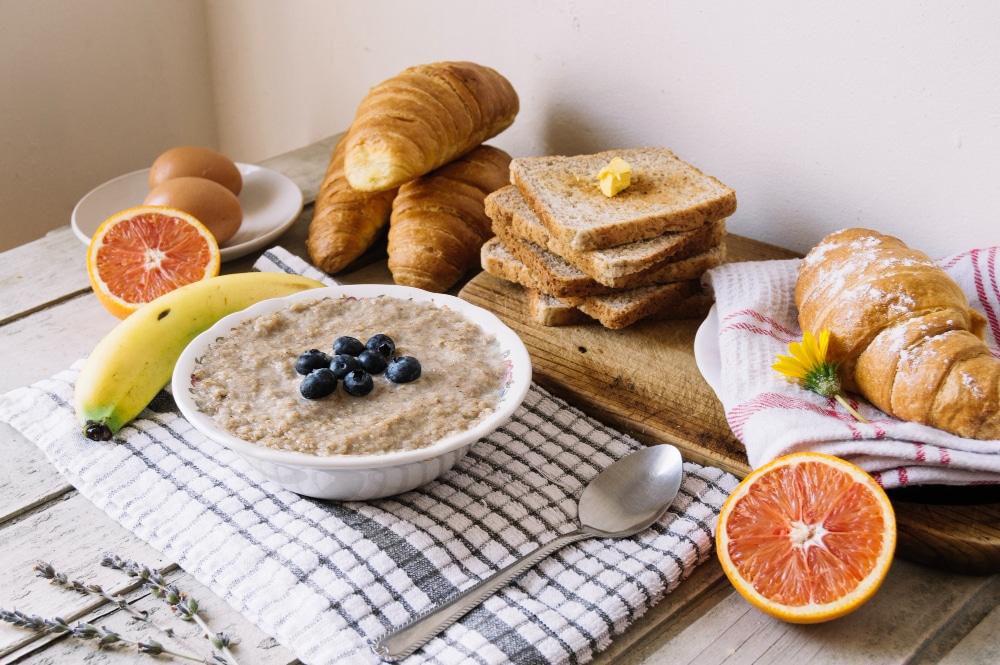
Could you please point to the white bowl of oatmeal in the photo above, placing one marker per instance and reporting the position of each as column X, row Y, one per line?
column 237, row 384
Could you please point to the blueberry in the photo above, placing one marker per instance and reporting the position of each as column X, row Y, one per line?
column 403, row 369
column 352, row 346
column 318, row 384
column 358, row 383
column 343, row 364
column 382, row 344
column 372, row 361
column 310, row 360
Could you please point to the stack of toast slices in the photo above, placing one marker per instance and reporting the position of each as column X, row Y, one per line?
column 582, row 256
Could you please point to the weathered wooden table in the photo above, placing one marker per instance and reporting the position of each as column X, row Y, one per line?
column 49, row 318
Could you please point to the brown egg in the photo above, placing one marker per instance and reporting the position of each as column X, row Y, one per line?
column 198, row 162
column 209, row 202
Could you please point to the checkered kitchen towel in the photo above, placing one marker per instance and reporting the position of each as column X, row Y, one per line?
column 325, row 577
column 757, row 319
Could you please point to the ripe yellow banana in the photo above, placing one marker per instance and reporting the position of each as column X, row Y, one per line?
column 127, row 368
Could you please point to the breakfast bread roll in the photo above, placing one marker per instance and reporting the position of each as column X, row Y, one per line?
column 903, row 332
column 345, row 222
column 422, row 119
column 438, row 223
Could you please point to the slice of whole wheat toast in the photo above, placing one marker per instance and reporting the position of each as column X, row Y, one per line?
column 616, row 310
column 506, row 206
column 562, row 279
column 548, row 310
column 665, row 194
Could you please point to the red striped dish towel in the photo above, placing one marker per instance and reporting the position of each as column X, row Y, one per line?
column 756, row 319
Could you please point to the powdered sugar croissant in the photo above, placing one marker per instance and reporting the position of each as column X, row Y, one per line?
column 903, row 332
column 423, row 118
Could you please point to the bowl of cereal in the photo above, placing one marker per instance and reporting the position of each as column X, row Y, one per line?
column 353, row 392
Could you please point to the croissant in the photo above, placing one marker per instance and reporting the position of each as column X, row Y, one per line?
column 903, row 332
column 424, row 118
column 439, row 223
column 345, row 222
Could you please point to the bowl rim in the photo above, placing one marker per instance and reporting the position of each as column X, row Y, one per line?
column 514, row 351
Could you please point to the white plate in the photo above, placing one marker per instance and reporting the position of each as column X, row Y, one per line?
column 271, row 203
column 707, row 354
column 358, row 477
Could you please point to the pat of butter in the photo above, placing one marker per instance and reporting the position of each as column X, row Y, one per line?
column 615, row 177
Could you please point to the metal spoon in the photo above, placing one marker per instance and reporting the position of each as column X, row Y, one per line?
column 625, row 498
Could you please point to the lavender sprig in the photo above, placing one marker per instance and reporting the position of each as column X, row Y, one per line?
column 87, row 631
column 184, row 607
column 46, row 571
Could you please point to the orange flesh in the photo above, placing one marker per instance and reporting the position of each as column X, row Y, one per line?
column 151, row 254
column 805, row 533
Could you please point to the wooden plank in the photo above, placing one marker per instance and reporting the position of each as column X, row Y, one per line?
column 706, row 586
column 27, row 479
column 58, row 270
column 913, row 607
column 46, row 342
column 254, row 648
column 980, row 645
column 82, row 534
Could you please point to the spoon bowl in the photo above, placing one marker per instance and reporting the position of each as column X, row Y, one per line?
column 632, row 493
column 622, row 500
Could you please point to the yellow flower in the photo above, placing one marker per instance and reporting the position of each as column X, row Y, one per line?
column 809, row 367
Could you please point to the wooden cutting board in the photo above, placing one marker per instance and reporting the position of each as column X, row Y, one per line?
column 643, row 380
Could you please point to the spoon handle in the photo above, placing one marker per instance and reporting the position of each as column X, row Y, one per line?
column 404, row 640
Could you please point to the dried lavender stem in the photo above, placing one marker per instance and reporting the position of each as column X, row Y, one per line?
column 87, row 631
column 186, row 608
column 46, row 571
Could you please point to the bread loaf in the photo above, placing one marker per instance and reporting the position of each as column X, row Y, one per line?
column 423, row 118
column 902, row 331
column 438, row 223
column 345, row 222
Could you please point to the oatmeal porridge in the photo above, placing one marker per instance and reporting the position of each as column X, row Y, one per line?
column 247, row 382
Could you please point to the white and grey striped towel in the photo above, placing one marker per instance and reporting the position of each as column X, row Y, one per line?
column 323, row 578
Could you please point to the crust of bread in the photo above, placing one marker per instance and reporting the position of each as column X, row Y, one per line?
column 665, row 194
column 616, row 310
column 547, row 310
column 562, row 279
column 610, row 266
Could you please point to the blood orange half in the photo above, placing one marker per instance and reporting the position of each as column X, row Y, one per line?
column 807, row 538
column 143, row 252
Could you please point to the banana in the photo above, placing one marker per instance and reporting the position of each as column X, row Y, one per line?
column 134, row 361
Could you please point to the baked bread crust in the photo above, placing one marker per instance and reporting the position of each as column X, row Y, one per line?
column 665, row 194
column 614, row 310
column 903, row 332
column 624, row 266
column 423, row 118
column 345, row 222
column 438, row 223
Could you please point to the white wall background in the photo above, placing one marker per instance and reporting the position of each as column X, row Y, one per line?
column 820, row 116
